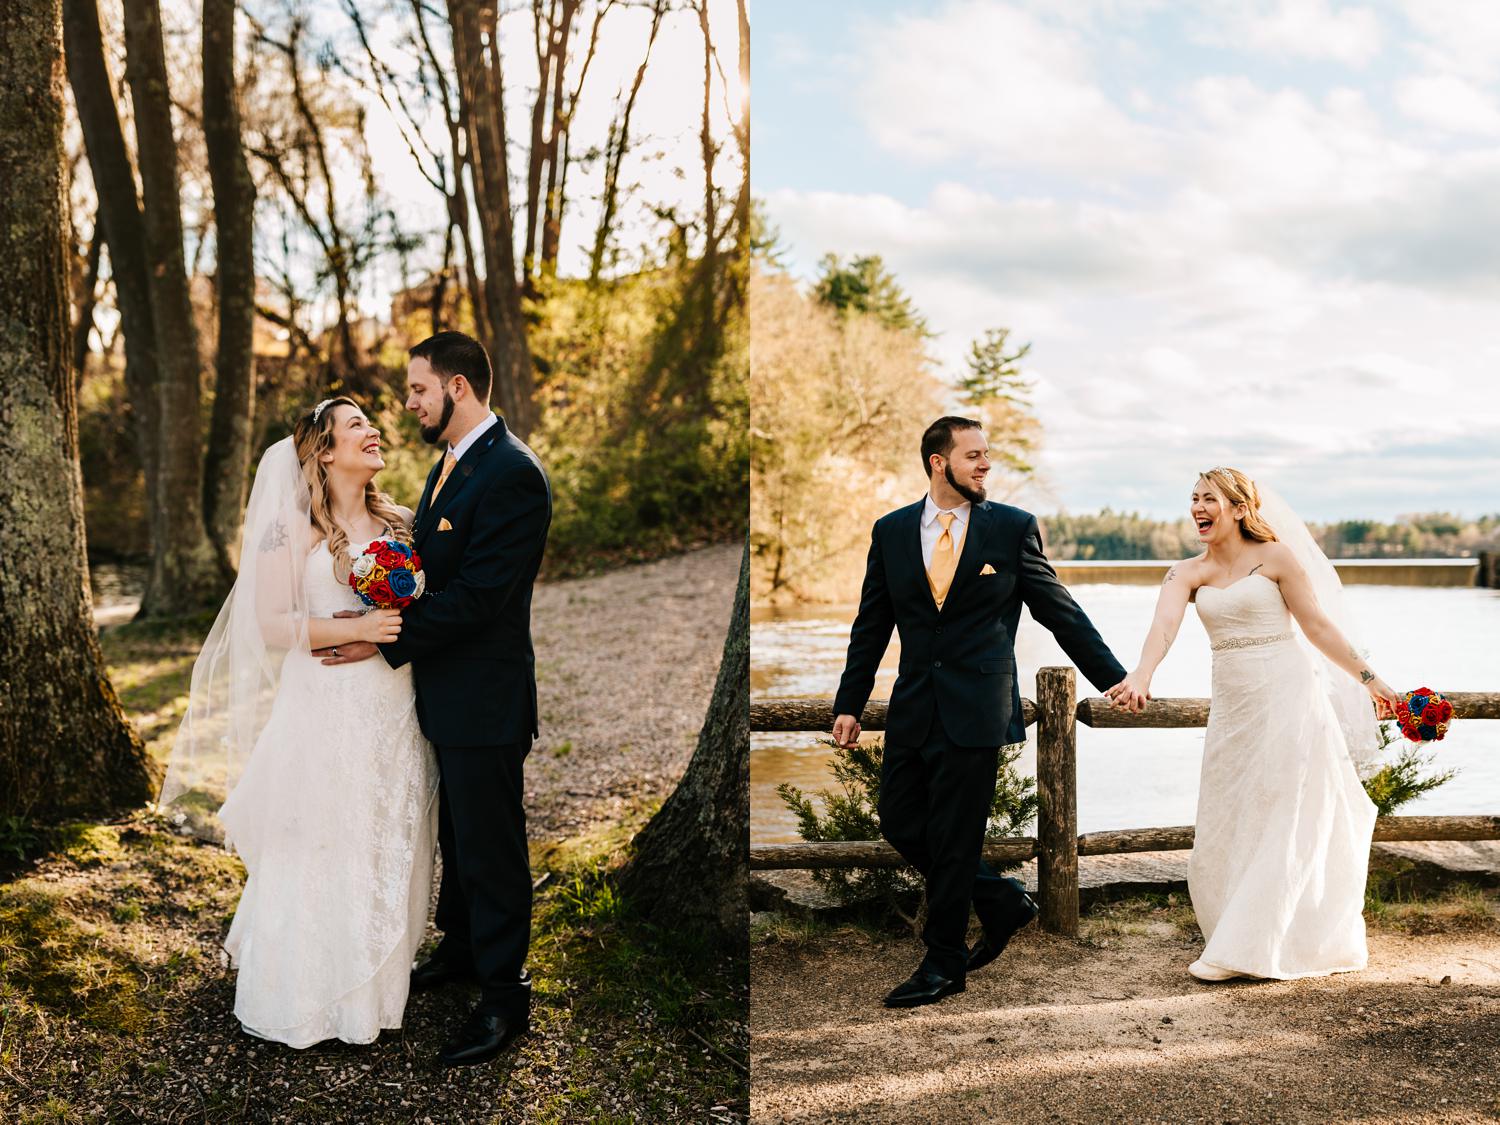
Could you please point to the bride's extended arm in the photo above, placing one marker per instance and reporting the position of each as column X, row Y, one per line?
column 378, row 626
column 1135, row 689
column 1297, row 592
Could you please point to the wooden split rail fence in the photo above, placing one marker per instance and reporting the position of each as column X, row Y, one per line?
column 1057, row 845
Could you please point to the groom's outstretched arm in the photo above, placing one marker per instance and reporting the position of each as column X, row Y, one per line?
column 1052, row 606
column 868, row 638
column 510, row 530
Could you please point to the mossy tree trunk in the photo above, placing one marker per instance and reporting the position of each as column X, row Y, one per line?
column 690, row 863
column 65, row 745
column 227, row 464
column 187, row 573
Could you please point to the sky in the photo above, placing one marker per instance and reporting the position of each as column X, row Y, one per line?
column 1256, row 233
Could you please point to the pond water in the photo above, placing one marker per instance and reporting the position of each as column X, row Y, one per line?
column 1444, row 638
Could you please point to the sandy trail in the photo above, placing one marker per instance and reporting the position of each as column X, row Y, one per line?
column 626, row 664
column 1113, row 1029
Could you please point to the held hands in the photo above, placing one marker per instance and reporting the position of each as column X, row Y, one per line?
column 846, row 730
column 1132, row 693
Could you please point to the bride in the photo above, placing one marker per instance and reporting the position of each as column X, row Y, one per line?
column 1282, row 842
column 331, row 788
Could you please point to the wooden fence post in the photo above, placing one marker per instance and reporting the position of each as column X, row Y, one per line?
column 1057, row 793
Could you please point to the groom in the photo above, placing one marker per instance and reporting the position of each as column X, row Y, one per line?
column 480, row 529
column 950, row 572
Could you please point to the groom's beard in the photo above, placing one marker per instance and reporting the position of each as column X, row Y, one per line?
column 968, row 492
column 431, row 434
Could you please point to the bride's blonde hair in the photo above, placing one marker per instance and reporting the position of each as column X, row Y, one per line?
column 312, row 436
column 1234, row 487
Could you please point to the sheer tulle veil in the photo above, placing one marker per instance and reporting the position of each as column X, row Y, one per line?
column 237, row 672
column 1351, row 702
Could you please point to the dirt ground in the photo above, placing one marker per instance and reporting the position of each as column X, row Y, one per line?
column 626, row 663
column 1112, row 1028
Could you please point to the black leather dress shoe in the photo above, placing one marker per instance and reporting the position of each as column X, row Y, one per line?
column 437, row 971
column 997, row 938
column 923, row 987
column 482, row 1037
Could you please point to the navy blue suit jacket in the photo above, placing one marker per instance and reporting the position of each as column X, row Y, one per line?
column 962, row 659
column 468, row 638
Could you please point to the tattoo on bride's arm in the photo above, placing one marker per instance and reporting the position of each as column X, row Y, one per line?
column 1365, row 675
column 275, row 537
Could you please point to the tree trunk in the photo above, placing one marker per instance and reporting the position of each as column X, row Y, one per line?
column 536, row 152
column 88, row 297
column 186, row 572
column 66, row 748
column 124, row 229
column 615, row 148
column 689, row 863
column 481, row 97
column 555, row 152
column 227, row 462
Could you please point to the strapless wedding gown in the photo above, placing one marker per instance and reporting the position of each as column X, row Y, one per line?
column 1282, row 846
column 336, row 820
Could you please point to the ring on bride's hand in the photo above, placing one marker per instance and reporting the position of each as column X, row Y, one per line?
column 335, row 650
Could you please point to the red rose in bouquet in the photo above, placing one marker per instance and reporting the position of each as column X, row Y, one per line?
column 1424, row 715
column 387, row 574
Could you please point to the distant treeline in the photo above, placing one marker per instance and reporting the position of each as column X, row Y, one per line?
column 1118, row 536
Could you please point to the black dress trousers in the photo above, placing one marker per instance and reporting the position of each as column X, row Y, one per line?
column 484, row 902
column 934, row 804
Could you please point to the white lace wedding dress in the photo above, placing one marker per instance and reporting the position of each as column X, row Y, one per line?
column 1277, row 875
column 339, row 849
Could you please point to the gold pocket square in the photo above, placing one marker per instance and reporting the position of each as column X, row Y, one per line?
column 986, row 569
column 444, row 525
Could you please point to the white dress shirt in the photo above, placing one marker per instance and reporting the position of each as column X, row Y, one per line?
column 932, row 530
column 466, row 442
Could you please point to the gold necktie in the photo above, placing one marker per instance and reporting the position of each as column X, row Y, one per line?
column 448, row 462
column 944, row 560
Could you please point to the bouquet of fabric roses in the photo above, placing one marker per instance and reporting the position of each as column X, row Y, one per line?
column 388, row 574
column 1424, row 715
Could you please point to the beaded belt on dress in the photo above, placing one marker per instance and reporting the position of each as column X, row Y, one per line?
column 1249, row 642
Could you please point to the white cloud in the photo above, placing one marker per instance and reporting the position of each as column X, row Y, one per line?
column 1459, row 37
column 994, row 84
column 1450, row 103
column 1306, row 29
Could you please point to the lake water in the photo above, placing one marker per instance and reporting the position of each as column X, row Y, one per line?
column 1441, row 638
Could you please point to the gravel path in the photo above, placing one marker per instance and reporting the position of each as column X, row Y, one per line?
column 1113, row 1029
column 626, row 664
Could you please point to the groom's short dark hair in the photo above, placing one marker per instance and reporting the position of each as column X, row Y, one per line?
column 938, row 437
column 453, row 353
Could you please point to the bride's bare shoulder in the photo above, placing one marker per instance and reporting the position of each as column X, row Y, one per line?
column 1188, row 570
column 1189, row 573
column 1276, row 560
